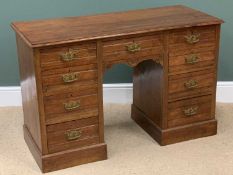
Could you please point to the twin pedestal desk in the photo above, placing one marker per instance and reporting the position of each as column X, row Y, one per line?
column 174, row 54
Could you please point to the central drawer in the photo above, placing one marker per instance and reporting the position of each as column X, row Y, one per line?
column 141, row 47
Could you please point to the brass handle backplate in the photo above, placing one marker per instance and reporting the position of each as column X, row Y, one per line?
column 73, row 134
column 71, row 105
column 133, row 47
column 192, row 38
column 191, row 59
column 191, row 84
column 69, row 56
column 191, row 111
column 69, row 78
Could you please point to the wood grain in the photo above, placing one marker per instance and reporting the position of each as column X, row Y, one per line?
column 29, row 91
column 32, row 146
column 57, row 140
column 70, row 88
column 74, row 157
column 85, row 53
column 54, row 107
column 100, row 90
column 206, row 33
column 147, row 90
column 217, row 46
column 161, row 97
column 76, row 115
column 119, row 47
column 72, row 29
column 57, row 79
column 178, row 64
column 176, row 116
column 174, row 135
column 188, row 132
column 178, row 90
column 59, row 137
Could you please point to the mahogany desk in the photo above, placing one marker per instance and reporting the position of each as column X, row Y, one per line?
column 173, row 51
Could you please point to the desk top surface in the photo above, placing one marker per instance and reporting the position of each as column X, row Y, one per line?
column 40, row 33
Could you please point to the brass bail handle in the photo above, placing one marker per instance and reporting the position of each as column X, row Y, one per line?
column 192, row 38
column 192, row 59
column 73, row 134
column 69, row 78
column 191, row 111
column 191, row 84
column 72, row 105
column 69, row 56
column 133, row 47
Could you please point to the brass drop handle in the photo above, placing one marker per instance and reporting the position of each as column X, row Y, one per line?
column 69, row 56
column 133, row 47
column 191, row 111
column 73, row 134
column 191, row 84
column 69, row 78
column 72, row 105
column 192, row 38
column 192, row 59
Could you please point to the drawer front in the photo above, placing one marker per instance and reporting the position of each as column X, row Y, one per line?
column 69, row 105
column 71, row 91
column 69, row 69
column 81, row 88
column 73, row 55
column 69, row 77
column 65, row 109
column 144, row 47
column 189, row 111
column 73, row 134
column 191, row 84
column 65, row 117
column 192, row 40
column 191, row 62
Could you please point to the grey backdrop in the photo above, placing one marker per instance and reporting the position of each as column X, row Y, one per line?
column 14, row 10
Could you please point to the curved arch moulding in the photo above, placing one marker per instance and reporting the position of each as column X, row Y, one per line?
column 132, row 62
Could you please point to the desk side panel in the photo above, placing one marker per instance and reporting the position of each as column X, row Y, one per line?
column 147, row 89
column 217, row 46
column 29, row 90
